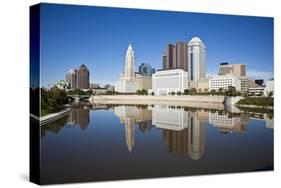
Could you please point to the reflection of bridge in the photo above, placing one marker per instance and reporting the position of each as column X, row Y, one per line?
column 103, row 107
column 79, row 97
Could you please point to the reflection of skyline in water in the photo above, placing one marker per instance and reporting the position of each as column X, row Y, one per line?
column 129, row 116
column 183, row 131
column 79, row 117
column 227, row 123
column 109, row 137
column 167, row 117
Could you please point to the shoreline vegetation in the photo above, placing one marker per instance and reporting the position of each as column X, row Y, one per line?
column 55, row 100
column 259, row 102
column 52, row 101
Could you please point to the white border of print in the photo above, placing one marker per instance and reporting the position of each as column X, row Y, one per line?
column 14, row 61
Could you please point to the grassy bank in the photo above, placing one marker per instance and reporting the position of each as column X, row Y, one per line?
column 258, row 101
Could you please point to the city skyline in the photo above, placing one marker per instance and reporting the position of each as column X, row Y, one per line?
column 70, row 38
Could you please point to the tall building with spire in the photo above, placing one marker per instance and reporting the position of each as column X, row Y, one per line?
column 127, row 82
column 129, row 73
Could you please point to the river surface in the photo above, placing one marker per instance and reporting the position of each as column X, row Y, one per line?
column 110, row 142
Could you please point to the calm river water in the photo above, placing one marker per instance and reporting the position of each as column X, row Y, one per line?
column 108, row 142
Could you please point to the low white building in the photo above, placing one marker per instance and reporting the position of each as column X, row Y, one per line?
column 99, row 91
column 171, row 80
column 269, row 87
column 124, row 86
column 224, row 81
column 256, row 90
column 246, row 83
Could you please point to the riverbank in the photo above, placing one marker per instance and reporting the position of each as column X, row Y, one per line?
column 208, row 102
column 51, row 117
column 254, row 106
column 256, row 102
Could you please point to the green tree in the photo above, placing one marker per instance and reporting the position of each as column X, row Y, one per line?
column 186, row 91
column 213, row 92
column 231, row 91
column 53, row 100
column 261, row 93
column 221, row 91
column 270, row 94
column 193, row 91
column 205, row 90
column 144, row 92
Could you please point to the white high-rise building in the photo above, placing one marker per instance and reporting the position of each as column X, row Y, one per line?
column 127, row 82
column 129, row 73
column 196, row 59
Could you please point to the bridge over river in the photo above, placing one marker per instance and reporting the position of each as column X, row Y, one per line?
column 79, row 97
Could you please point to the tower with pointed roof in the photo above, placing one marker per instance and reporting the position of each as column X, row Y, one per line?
column 127, row 82
column 129, row 73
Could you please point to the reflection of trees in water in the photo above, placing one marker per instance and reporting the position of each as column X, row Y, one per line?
column 79, row 115
column 53, row 127
column 257, row 110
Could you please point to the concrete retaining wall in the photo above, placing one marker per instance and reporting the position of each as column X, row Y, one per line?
column 232, row 100
column 53, row 117
column 203, row 99
column 207, row 102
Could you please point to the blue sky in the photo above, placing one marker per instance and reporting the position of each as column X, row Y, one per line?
column 98, row 37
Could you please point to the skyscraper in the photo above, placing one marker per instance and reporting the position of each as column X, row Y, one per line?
column 225, row 68
column 169, row 57
column 71, row 78
column 146, row 70
column 196, row 59
column 83, row 77
column 164, row 60
column 181, row 55
column 233, row 69
column 176, row 56
column 129, row 73
column 239, row 69
column 127, row 82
